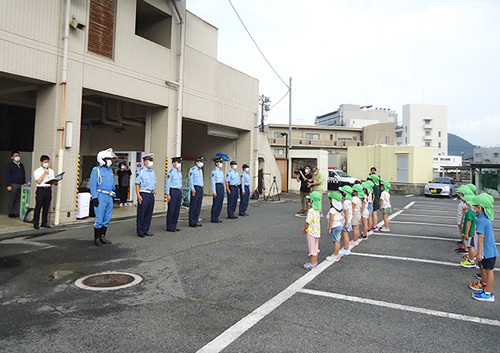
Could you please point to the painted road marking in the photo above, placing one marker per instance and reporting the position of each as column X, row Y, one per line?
column 402, row 258
column 409, row 195
column 453, row 316
column 420, row 237
column 435, row 224
column 409, row 205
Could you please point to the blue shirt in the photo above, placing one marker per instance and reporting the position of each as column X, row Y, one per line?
column 145, row 178
column 101, row 178
column 245, row 179
column 485, row 226
column 195, row 177
column 233, row 178
column 174, row 180
column 217, row 178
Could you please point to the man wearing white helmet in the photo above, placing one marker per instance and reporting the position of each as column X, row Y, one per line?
column 102, row 188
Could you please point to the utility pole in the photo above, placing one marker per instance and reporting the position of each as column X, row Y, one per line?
column 265, row 106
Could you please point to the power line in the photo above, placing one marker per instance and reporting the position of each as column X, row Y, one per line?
column 254, row 42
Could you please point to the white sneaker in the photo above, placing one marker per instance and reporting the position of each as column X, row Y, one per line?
column 121, row 205
column 384, row 229
column 347, row 252
column 126, row 204
column 333, row 258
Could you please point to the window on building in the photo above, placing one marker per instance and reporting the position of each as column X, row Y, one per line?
column 331, row 137
column 387, row 140
column 439, row 144
column 495, row 155
column 406, row 128
column 399, row 134
column 427, row 144
column 439, row 133
column 153, row 24
column 427, row 132
column 279, row 151
column 406, row 140
column 427, row 121
column 277, row 135
column 101, row 32
column 355, row 138
column 312, row 136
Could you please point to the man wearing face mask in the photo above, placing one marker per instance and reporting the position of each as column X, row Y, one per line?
column 42, row 175
column 232, row 185
column 15, row 177
column 145, row 188
column 123, row 182
column 304, row 179
column 196, row 187
column 245, row 190
column 102, row 188
column 173, row 189
column 217, row 181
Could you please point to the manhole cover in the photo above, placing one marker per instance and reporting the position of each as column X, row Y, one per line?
column 108, row 281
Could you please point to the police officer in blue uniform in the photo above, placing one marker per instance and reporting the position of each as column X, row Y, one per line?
column 102, row 188
column 145, row 188
column 245, row 190
column 232, row 185
column 196, row 187
column 173, row 189
column 217, row 181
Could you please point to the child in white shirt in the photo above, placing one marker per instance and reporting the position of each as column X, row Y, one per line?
column 335, row 224
column 385, row 205
column 346, row 192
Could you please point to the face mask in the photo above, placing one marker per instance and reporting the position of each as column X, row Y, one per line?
column 235, row 167
column 45, row 165
column 179, row 166
column 123, row 167
column 247, row 169
column 108, row 163
column 459, row 197
column 315, row 173
column 17, row 159
column 150, row 164
column 200, row 164
column 307, row 171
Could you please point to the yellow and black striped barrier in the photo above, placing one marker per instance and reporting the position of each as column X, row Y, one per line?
column 78, row 179
column 166, row 171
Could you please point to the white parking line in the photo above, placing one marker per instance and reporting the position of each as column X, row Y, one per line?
column 402, row 258
column 409, row 205
column 420, row 237
column 435, row 224
column 425, row 215
column 409, row 195
column 474, row 319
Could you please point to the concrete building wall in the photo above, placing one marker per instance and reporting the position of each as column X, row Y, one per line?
column 385, row 159
column 201, row 35
column 487, row 155
column 383, row 133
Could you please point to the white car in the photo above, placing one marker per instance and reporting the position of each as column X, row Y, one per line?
column 338, row 178
column 441, row 187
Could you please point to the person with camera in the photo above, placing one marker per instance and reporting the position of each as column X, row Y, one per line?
column 304, row 177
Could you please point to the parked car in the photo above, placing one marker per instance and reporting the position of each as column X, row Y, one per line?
column 338, row 178
column 441, row 187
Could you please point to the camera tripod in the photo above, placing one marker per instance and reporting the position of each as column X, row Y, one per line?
column 274, row 187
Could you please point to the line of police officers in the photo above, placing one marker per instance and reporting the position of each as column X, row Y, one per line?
column 102, row 186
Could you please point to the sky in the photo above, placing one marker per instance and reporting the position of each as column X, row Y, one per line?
column 385, row 53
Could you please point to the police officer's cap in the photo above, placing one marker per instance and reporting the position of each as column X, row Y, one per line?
column 200, row 159
column 218, row 159
column 245, row 166
column 177, row 159
column 233, row 163
column 148, row 157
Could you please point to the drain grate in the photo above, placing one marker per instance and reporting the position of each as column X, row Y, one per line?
column 108, row 281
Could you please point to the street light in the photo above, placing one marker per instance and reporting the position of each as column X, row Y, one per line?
column 285, row 134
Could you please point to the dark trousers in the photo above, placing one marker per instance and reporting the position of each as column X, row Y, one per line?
column 195, row 205
column 174, row 207
column 244, row 199
column 43, row 197
column 232, row 201
column 14, row 199
column 123, row 194
column 145, row 212
column 217, row 203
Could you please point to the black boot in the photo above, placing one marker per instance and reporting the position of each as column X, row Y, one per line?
column 103, row 236
column 97, row 237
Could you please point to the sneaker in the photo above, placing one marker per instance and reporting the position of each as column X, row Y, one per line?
column 121, row 205
column 461, row 246
column 477, row 275
column 478, row 286
column 126, row 204
column 460, row 242
column 309, row 266
column 333, row 258
column 347, row 252
column 370, row 232
column 467, row 263
column 384, row 229
column 354, row 243
column 375, row 230
column 482, row 296
column 461, row 251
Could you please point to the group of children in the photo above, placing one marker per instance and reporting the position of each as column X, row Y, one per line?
column 350, row 208
column 475, row 222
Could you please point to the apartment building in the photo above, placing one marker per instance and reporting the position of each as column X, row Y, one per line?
column 353, row 115
column 77, row 77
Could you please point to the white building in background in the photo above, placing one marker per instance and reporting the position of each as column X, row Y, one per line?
column 352, row 115
column 424, row 125
column 489, row 155
column 445, row 161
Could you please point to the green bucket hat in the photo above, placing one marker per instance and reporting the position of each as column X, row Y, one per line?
column 315, row 196
column 359, row 189
column 472, row 188
column 335, row 195
column 368, row 186
column 375, row 178
column 468, row 199
column 486, row 202
column 348, row 191
column 387, row 185
column 464, row 189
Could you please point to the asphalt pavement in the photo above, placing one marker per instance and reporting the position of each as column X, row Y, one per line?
column 239, row 286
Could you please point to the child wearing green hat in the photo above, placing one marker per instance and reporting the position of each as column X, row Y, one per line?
column 357, row 208
column 462, row 208
column 346, row 192
column 468, row 230
column 375, row 179
column 487, row 251
column 335, row 224
column 313, row 229
column 385, row 205
column 368, row 208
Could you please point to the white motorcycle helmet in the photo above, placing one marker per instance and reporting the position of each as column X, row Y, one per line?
column 105, row 154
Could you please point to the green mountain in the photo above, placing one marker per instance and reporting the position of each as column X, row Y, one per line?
column 457, row 145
